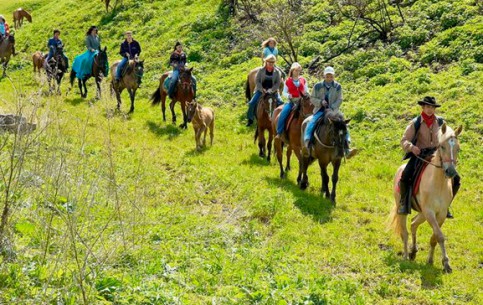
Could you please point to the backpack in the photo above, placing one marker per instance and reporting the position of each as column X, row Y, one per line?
column 417, row 125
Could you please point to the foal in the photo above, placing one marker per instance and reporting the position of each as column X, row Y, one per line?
column 202, row 118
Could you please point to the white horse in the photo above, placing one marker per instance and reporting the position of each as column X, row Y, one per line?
column 434, row 196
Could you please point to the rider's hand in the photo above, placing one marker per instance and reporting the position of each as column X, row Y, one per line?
column 269, row 90
column 127, row 54
column 324, row 103
column 415, row 150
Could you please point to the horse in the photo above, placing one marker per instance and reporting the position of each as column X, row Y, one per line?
column 130, row 80
column 57, row 67
column 293, row 140
column 265, row 108
column 434, row 196
column 18, row 16
column 202, row 119
column 108, row 3
column 328, row 148
column 184, row 94
column 250, row 83
column 99, row 69
column 6, row 50
column 38, row 61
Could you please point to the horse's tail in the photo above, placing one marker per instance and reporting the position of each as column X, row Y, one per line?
column 395, row 222
column 248, row 94
column 156, row 96
column 256, row 135
column 72, row 77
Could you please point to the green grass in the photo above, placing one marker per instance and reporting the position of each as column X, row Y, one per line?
column 153, row 221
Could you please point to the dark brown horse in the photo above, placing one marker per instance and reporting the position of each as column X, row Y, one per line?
column 57, row 67
column 266, row 107
column 6, row 50
column 99, row 70
column 18, row 16
column 130, row 80
column 108, row 4
column 328, row 148
column 184, row 94
column 302, row 109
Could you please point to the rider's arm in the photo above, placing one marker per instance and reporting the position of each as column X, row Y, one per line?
column 285, row 90
column 338, row 100
column 122, row 50
column 259, row 79
column 139, row 48
column 88, row 43
column 408, row 137
column 173, row 61
column 316, row 97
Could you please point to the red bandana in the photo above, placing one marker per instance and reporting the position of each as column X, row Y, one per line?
column 428, row 119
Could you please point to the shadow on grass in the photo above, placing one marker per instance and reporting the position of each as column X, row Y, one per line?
column 314, row 205
column 109, row 17
column 431, row 276
column 256, row 160
column 169, row 130
column 75, row 101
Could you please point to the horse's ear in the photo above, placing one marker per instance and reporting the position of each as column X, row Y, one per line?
column 330, row 121
column 459, row 130
column 191, row 69
column 443, row 128
column 347, row 121
column 105, row 49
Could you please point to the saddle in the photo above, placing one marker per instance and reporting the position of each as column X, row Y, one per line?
column 417, row 175
column 293, row 115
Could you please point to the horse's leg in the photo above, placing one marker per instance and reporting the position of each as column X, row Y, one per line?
column 439, row 237
column 132, row 95
column 117, row 91
column 304, row 182
column 335, row 179
column 198, row 138
column 289, row 155
column 325, row 179
column 84, row 83
column 261, row 142
column 163, row 103
column 269, row 144
column 171, row 106
column 184, row 125
column 279, row 151
column 298, row 154
column 416, row 221
column 212, row 130
column 98, row 85
column 205, row 129
column 79, row 83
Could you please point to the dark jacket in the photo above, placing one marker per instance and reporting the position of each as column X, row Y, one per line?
column 177, row 60
column 132, row 48
column 55, row 44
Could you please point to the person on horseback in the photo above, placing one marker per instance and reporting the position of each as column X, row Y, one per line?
column 420, row 141
column 267, row 81
column 55, row 44
column 269, row 47
column 326, row 94
column 130, row 48
column 83, row 63
column 5, row 31
column 295, row 88
column 178, row 61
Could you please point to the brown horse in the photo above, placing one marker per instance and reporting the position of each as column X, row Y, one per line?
column 6, row 50
column 302, row 109
column 18, row 16
column 130, row 80
column 57, row 67
column 99, row 69
column 38, row 61
column 434, row 195
column 328, row 148
column 184, row 94
column 251, row 82
column 266, row 107
column 202, row 119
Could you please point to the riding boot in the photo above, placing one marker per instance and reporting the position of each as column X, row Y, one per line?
column 349, row 153
column 455, row 186
column 249, row 123
column 405, row 202
column 13, row 51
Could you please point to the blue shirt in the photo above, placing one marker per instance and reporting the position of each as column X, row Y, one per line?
column 267, row 51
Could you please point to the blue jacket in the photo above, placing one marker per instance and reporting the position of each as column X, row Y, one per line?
column 132, row 48
column 55, row 43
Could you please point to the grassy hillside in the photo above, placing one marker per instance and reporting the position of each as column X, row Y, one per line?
column 111, row 209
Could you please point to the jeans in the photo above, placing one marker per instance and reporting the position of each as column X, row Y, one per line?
column 252, row 105
column 309, row 130
column 287, row 108
column 174, row 80
column 120, row 67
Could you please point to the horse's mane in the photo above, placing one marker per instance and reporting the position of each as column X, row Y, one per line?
column 333, row 115
column 448, row 134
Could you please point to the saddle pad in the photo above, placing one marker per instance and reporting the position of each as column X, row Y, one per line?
column 167, row 81
column 417, row 180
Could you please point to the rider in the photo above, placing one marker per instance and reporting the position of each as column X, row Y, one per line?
column 53, row 45
column 418, row 145
column 295, row 87
column 130, row 48
column 326, row 94
column 5, row 31
column 269, row 47
column 83, row 63
column 178, row 60
column 267, row 81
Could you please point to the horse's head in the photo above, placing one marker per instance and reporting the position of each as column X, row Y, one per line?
column 337, row 131
column 306, row 106
column 268, row 102
column 185, row 79
column 102, row 61
column 138, row 69
column 192, row 106
column 448, row 149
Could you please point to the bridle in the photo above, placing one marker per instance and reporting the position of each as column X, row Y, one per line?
column 332, row 129
column 452, row 142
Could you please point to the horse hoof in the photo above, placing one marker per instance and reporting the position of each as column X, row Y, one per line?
column 304, row 185
column 447, row 269
column 412, row 254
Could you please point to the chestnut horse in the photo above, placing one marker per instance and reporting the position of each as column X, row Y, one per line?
column 302, row 109
column 184, row 94
column 434, row 195
column 265, row 108
column 18, row 16
column 328, row 148
column 98, row 71
column 6, row 50
column 38, row 61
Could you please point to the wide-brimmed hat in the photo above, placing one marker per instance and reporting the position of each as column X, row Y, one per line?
column 429, row 100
